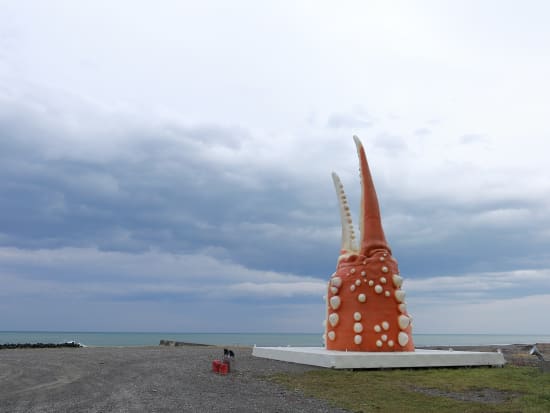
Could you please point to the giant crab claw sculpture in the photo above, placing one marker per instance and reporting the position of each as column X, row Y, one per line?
column 366, row 308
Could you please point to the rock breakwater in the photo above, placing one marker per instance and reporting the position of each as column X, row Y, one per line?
column 39, row 345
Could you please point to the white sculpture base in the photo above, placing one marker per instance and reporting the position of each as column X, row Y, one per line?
column 319, row 356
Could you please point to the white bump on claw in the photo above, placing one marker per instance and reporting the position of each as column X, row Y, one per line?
column 357, row 316
column 331, row 335
column 383, row 280
column 402, row 307
column 397, row 280
column 333, row 319
column 378, row 343
column 378, row 289
column 371, row 283
column 334, row 290
column 358, row 282
column 352, row 287
column 403, row 321
column 385, row 325
column 387, row 293
column 362, row 298
column 358, row 339
column 377, row 328
column 336, row 281
column 403, row 339
column 385, row 269
column 352, row 271
column 358, row 327
column 400, row 295
column 382, row 258
column 335, row 302
column 384, row 337
column 390, row 343
column 363, row 273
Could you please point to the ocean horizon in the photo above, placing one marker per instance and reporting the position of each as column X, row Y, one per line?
column 129, row 339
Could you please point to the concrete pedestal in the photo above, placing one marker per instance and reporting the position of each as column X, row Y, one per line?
column 318, row 356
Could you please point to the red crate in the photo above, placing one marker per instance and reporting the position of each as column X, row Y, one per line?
column 223, row 368
column 216, row 366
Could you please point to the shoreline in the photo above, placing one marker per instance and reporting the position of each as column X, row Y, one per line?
column 131, row 339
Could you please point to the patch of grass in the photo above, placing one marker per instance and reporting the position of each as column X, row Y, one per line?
column 508, row 389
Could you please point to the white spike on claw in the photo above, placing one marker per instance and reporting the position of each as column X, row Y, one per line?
column 359, row 145
column 348, row 235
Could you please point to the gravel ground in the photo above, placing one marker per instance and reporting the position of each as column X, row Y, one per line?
column 159, row 379
column 144, row 379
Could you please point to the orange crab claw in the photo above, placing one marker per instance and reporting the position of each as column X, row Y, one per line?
column 372, row 233
column 366, row 308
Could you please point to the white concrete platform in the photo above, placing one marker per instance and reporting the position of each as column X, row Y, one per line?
column 318, row 356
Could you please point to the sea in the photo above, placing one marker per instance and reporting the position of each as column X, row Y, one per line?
column 117, row 339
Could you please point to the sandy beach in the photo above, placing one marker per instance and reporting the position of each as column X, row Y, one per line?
column 156, row 379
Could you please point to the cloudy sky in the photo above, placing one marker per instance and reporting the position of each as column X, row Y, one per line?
column 165, row 166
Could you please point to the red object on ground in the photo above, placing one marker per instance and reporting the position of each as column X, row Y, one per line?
column 216, row 366
column 223, row 368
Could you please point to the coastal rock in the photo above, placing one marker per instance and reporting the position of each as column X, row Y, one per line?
column 40, row 345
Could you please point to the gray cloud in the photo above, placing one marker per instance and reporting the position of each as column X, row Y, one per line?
column 121, row 288
column 422, row 131
column 391, row 144
column 134, row 187
column 137, row 186
column 348, row 121
column 473, row 138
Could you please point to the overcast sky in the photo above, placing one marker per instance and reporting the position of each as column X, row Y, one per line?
column 165, row 166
